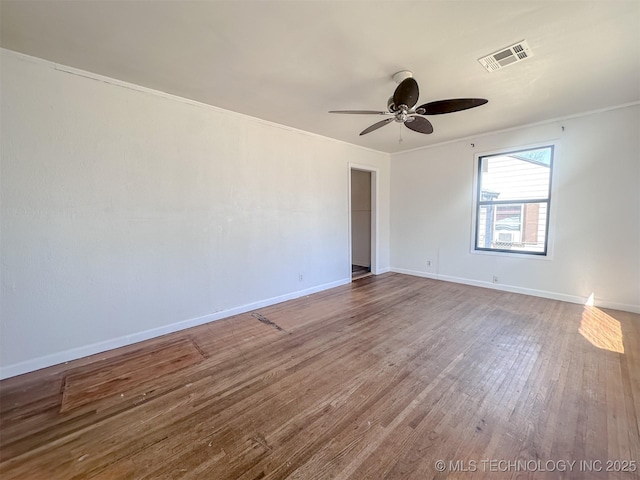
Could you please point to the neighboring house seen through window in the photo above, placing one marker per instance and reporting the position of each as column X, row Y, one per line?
column 512, row 204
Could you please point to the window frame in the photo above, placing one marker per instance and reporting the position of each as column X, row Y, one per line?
column 478, row 203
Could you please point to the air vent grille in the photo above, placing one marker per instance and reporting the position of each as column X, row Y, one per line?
column 506, row 56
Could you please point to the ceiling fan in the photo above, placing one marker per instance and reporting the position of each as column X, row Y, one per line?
column 401, row 106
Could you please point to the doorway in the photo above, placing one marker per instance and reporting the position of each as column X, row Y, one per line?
column 363, row 221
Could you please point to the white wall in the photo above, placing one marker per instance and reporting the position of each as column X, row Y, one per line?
column 361, row 218
column 126, row 213
column 595, row 212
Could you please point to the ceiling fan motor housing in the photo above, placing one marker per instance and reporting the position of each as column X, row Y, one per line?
column 398, row 77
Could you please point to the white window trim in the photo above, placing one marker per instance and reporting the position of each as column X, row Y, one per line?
column 553, row 201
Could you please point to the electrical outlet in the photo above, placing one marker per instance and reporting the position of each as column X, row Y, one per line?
column 428, row 263
column 300, row 277
column 495, row 279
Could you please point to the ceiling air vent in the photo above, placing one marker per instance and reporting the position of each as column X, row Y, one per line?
column 507, row 56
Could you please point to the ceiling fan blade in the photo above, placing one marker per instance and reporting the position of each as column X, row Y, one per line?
column 449, row 106
column 376, row 126
column 406, row 93
column 360, row 112
column 419, row 124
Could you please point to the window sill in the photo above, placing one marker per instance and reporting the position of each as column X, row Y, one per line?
column 527, row 256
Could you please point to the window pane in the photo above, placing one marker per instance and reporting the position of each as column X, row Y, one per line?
column 513, row 201
column 516, row 176
column 518, row 227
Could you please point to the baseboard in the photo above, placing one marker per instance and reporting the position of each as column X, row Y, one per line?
column 7, row 371
column 415, row 273
column 625, row 307
column 526, row 291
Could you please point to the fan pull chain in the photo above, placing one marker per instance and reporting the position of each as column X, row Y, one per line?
column 400, row 139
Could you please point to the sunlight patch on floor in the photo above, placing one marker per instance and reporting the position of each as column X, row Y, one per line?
column 601, row 330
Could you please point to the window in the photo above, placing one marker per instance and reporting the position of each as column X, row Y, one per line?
column 512, row 203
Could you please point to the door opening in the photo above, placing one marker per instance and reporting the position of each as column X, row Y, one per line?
column 362, row 223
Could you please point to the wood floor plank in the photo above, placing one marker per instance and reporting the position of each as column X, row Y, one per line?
column 376, row 379
column 97, row 382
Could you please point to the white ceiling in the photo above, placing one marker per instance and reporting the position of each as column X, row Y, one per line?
column 291, row 62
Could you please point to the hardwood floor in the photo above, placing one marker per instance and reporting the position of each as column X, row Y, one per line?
column 378, row 379
column 358, row 271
